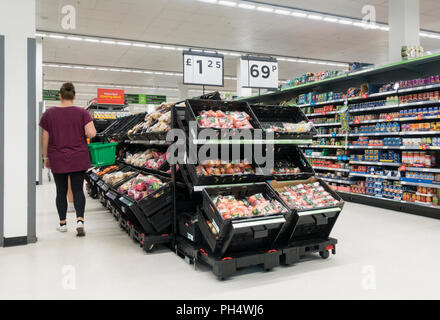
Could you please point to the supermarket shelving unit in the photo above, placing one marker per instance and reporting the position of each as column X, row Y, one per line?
column 407, row 70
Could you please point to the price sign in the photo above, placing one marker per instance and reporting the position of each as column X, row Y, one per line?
column 258, row 72
column 419, row 117
column 200, row 68
column 357, row 121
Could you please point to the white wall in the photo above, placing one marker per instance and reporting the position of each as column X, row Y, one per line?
column 17, row 24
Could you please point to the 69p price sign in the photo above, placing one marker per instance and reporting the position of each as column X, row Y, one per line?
column 259, row 72
column 201, row 68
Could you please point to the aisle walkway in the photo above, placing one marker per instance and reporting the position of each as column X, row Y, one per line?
column 394, row 252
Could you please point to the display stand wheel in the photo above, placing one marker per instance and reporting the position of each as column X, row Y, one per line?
column 149, row 249
column 324, row 254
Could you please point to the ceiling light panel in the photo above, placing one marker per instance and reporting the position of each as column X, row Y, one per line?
column 155, row 46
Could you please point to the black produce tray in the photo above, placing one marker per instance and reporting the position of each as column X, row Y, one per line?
column 120, row 132
column 305, row 225
column 289, row 156
column 153, row 212
column 240, row 234
column 188, row 227
column 239, row 192
column 194, row 107
column 272, row 115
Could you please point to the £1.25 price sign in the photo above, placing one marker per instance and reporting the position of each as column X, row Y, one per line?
column 201, row 68
column 259, row 72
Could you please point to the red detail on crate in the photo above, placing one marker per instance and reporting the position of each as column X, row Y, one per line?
column 329, row 247
column 270, row 251
column 203, row 251
column 165, row 235
column 227, row 258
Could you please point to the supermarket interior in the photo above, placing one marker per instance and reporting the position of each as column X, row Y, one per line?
column 223, row 154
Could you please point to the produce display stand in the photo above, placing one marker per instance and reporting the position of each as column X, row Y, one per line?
column 243, row 242
column 344, row 176
column 227, row 267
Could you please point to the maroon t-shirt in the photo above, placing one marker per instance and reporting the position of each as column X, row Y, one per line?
column 68, row 150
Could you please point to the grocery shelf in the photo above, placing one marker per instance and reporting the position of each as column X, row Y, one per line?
column 394, row 147
column 401, row 133
column 321, row 146
column 329, row 135
column 374, row 134
column 421, row 88
column 323, row 103
column 336, row 180
column 419, row 103
column 331, row 169
column 379, row 163
column 323, row 114
column 419, row 184
column 415, row 169
column 388, row 107
column 323, row 157
column 333, row 124
column 355, row 174
column 396, row 120
column 381, row 73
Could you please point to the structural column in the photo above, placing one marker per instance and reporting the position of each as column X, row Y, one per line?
column 17, row 122
column 404, row 22
column 39, row 106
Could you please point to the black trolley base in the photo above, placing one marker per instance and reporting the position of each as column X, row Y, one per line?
column 226, row 267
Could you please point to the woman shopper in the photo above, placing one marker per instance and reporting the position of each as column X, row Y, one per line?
column 65, row 130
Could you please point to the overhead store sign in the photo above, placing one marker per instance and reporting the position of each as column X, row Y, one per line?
column 51, row 95
column 201, row 68
column 145, row 99
column 111, row 96
column 258, row 72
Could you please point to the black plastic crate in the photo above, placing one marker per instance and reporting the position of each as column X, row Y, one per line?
column 310, row 224
column 289, row 156
column 239, row 192
column 154, row 211
column 274, row 115
column 188, row 227
column 194, row 107
column 202, row 180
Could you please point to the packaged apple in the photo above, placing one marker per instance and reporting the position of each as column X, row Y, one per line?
column 306, row 195
column 253, row 206
column 224, row 120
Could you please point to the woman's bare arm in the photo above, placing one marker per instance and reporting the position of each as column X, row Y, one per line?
column 44, row 146
column 90, row 130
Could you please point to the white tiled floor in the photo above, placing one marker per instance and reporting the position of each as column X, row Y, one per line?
column 396, row 253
